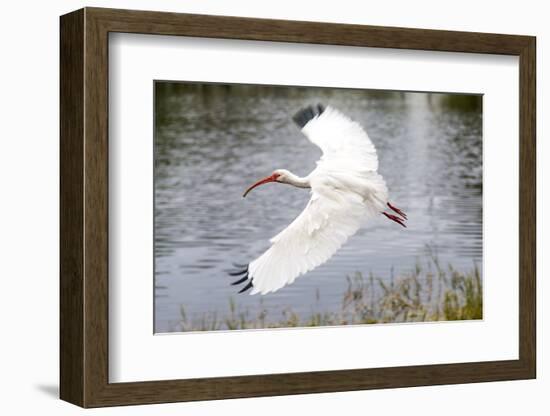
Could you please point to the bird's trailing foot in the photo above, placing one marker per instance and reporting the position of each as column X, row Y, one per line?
column 397, row 210
column 395, row 218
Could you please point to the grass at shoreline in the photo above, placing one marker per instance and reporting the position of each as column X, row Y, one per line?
column 429, row 293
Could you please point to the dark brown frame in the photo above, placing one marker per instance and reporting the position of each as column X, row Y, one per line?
column 84, row 207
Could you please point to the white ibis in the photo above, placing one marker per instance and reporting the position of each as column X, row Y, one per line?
column 346, row 191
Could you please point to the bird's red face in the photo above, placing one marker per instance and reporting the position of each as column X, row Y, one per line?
column 271, row 178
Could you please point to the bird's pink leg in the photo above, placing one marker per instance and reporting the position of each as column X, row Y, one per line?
column 397, row 210
column 395, row 218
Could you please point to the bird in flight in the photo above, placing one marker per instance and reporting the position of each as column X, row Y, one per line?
column 346, row 191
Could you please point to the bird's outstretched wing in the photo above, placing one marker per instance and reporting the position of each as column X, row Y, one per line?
column 309, row 241
column 344, row 142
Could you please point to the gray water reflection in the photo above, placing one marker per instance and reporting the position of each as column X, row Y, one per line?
column 212, row 141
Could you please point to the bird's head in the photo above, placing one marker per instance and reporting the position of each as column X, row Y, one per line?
column 278, row 175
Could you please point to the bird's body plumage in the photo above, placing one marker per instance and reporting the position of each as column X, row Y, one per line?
column 346, row 191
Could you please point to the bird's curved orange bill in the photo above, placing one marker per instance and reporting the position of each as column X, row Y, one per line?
column 272, row 178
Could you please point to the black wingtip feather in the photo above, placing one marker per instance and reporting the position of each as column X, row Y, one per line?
column 305, row 115
column 239, row 272
column 237, row 282
column 248, row 286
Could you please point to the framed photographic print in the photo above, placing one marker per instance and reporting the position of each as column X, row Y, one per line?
column 255, row 207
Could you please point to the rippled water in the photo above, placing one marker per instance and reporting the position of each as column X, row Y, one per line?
column 213, row 141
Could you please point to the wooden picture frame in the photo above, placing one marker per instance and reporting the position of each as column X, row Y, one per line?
column 84, row 207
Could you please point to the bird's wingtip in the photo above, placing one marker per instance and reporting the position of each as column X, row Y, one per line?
column 244, row 276
column 306, row 114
